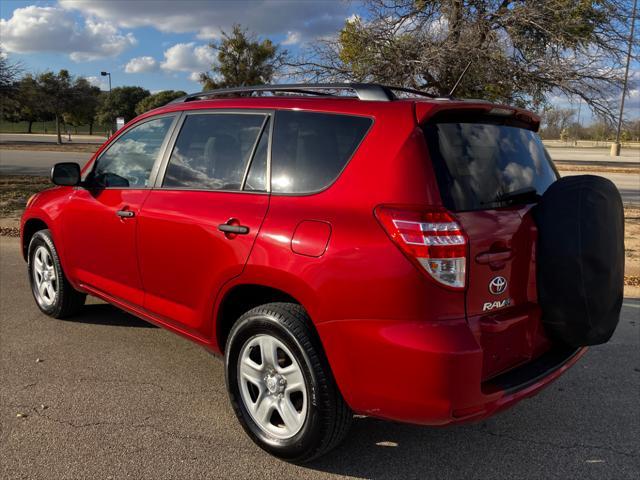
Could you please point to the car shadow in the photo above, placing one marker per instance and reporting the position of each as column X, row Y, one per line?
column 385, row 450
column 376, row 449
column 105, row 314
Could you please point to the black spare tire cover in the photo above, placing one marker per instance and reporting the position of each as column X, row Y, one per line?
column 580, row 259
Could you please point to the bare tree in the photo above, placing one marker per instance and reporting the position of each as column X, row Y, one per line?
column 555, row 121
column 521, row 50
column 9, row 73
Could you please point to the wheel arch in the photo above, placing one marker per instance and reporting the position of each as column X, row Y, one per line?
column 31, row 226
column 241, row 298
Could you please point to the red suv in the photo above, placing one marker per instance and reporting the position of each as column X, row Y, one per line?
column 372, row 253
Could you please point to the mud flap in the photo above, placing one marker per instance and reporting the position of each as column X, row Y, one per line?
column 580, row 259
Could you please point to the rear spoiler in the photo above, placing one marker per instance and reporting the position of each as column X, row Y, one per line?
column 475, row 112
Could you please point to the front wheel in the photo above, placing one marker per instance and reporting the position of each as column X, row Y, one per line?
column 280, row 384
column 52, row 291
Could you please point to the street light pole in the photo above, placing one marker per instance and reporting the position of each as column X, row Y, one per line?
column 615, row 148
column 105, row 74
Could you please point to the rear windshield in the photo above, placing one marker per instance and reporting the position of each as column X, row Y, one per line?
column 478, row 165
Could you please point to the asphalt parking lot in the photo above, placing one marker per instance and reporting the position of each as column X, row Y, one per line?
column 106, row 395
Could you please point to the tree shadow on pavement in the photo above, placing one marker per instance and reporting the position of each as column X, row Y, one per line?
column 105, row 314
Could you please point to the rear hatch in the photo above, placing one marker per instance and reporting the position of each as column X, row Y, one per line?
column 490, row 170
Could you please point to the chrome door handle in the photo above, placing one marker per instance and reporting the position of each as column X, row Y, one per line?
column 125, row 213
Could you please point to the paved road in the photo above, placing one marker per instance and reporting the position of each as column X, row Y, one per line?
column 590, row 155
column 47, row 138
column 126, row 400
column 33, row 162
column 628, row 184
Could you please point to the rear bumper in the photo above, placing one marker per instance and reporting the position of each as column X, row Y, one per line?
column 427, row 372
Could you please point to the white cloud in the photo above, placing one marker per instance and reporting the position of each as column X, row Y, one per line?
column 292, row 38
column 188, row 57
column 209, row 33
column 99, row 82
column 141, row 65
column 206, row 19
column 53, row 29
column 195, row 77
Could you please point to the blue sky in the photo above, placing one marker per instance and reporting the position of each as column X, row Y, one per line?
column 158, row 44
column 162, row 44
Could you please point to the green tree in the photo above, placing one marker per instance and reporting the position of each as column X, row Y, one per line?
column 82, row 110
column 56, row 90
column 120, row 102
column 158, row 100
column 31, row 102
column 601, row 129
column 243, row 60
column 520, row 51
column 633, row 127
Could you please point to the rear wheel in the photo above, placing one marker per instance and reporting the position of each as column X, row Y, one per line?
column 52, row 291
column 280, row 384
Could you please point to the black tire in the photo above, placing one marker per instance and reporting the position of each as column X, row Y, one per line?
column 67, row 300
column 328, row 417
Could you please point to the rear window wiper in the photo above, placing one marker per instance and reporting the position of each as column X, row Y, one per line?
column 526, row 194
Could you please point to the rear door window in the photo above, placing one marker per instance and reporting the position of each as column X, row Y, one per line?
column 482, row 166
column 213, row 151
column 311, row 149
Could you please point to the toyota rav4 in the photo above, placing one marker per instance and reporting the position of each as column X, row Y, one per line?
column 376, row 253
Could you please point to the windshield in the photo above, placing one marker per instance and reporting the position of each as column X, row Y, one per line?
column 479, row 165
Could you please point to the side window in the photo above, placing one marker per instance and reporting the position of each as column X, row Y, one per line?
column 212, row 151
column 311, row 149
column 128, row 161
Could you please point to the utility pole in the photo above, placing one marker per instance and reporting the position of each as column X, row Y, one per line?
column 615, row 148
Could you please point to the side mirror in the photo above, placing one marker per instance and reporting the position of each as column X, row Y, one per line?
column 66, row 174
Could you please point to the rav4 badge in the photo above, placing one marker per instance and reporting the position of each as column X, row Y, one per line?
column 497, row 304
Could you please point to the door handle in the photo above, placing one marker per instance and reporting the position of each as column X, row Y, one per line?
column 230, row 228
column 125, row 213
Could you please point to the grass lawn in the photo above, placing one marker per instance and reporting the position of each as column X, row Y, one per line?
column 47, row 127
column 15, row 190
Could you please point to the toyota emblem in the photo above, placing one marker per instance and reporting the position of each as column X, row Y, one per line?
column 498, row 285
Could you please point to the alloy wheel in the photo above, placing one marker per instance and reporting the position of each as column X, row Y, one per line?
column 272, row 386
column 45, row 277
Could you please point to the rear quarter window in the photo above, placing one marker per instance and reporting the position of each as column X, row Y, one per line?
column 311, row 149
column 476, row 164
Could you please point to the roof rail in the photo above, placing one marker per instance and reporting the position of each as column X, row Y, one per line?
column 419, row 93
column 364, row 91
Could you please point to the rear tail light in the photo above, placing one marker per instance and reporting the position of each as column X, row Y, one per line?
column 430, row 238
